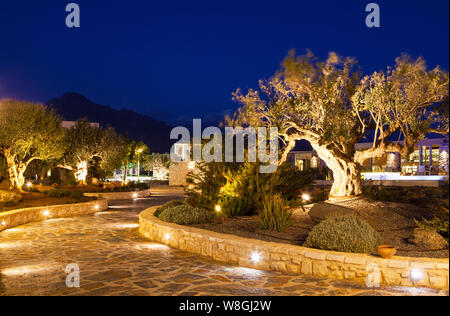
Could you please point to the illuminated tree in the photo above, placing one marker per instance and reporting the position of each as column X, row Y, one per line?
column 135, row 153
column 159, row 164
column 28, row 132
column 333, row 107
column 92, row 147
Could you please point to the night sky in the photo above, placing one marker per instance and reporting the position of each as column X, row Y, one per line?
column 180, row 59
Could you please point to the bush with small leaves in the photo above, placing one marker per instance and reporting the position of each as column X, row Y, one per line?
column 186, row 215
column 167, row 205
column 348, row 233
column 275, row 214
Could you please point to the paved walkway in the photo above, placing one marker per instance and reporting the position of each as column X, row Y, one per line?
column 114, row 260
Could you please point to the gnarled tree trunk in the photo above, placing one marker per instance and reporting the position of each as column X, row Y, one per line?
column 346, row 174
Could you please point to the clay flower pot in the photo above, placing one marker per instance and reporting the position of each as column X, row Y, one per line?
column 386, row 251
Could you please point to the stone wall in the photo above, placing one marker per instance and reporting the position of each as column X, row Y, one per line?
column 10, row 219
column 111, row 196
column 433, row 273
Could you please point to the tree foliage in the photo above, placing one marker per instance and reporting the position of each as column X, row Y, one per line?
column 28, row 132
column 91, row 147
column 331, row 105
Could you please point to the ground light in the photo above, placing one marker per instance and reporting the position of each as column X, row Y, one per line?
column 96, row 207
column 306, row 197
column 416, row 275
column 167, row 236
column 255, row 257
column 135, row 195
column 218, row 208
column 3, row 223
column 29, row 184
column 46, row 213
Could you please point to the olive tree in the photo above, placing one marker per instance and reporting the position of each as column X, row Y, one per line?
column 90, row 146
column 28, row 132
column 331, row 105
column 159, row 164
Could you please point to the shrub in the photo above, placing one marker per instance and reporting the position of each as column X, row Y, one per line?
column 186, row 215
column 167, row 205
column 59, row 193
column 438, row 223
column 236, row 206
column 347, row 233
column 274, row 214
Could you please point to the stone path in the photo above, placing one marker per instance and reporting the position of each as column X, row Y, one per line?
column 114, row 260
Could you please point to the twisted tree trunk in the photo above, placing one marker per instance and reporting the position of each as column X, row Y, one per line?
column 346, row 173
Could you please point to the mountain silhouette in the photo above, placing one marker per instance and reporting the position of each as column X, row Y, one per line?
column 155, row 134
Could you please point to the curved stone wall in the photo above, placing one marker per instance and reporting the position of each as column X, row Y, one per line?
column 111, row 196
column 251, row 253
column 10, row 219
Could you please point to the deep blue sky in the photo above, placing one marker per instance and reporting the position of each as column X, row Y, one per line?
column 175, row 59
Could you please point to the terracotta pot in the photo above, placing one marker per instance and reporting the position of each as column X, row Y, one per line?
column 386, row 251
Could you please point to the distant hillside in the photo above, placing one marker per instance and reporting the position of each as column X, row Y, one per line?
column 72, row 106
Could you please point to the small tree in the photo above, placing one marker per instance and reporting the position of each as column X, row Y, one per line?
column 158, row 162
column 92, row 147
column 28, row 132
column 333, row 107
column 135, row 153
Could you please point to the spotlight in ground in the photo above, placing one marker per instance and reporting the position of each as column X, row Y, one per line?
column 306, row 197
column 46, row 213
column 416, row 275
column 255, row 257
column 167, row 236
column 135, row 195
column 96, row 207
column 3, row 223
column 218, row 208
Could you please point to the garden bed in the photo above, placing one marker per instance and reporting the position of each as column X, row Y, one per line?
column 394, row 222
column 36, row 199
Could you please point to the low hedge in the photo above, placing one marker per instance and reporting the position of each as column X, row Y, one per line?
column 186, row 215
column 348, row 233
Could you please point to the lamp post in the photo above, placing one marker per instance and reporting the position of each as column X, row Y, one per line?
column 139, row 163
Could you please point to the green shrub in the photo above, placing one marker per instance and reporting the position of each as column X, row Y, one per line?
column 186, row 215
column 274, row 214
column 438, row 223
column 236, row 206
column 346, row 233
column 167, row 205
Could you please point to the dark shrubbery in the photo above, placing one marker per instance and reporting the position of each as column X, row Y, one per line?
column 344, row 233
column 167, row 205
column 274, row 214
column 58, row 193
column 438, row 223
column 236, row 206
column 186, row 215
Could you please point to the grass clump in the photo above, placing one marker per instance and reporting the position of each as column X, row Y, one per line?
column 275, row 214
column 348, row 233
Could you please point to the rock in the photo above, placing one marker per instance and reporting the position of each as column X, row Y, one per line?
column 9, row 196
column 322, row 210
column 428, row 239
column 5, row 185
column 95, row 181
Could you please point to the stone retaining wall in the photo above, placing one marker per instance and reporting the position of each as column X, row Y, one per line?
column 10, row 219
column 111, row 196
column 433, row 273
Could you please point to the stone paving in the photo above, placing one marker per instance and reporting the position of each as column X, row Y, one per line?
column 114, row 260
